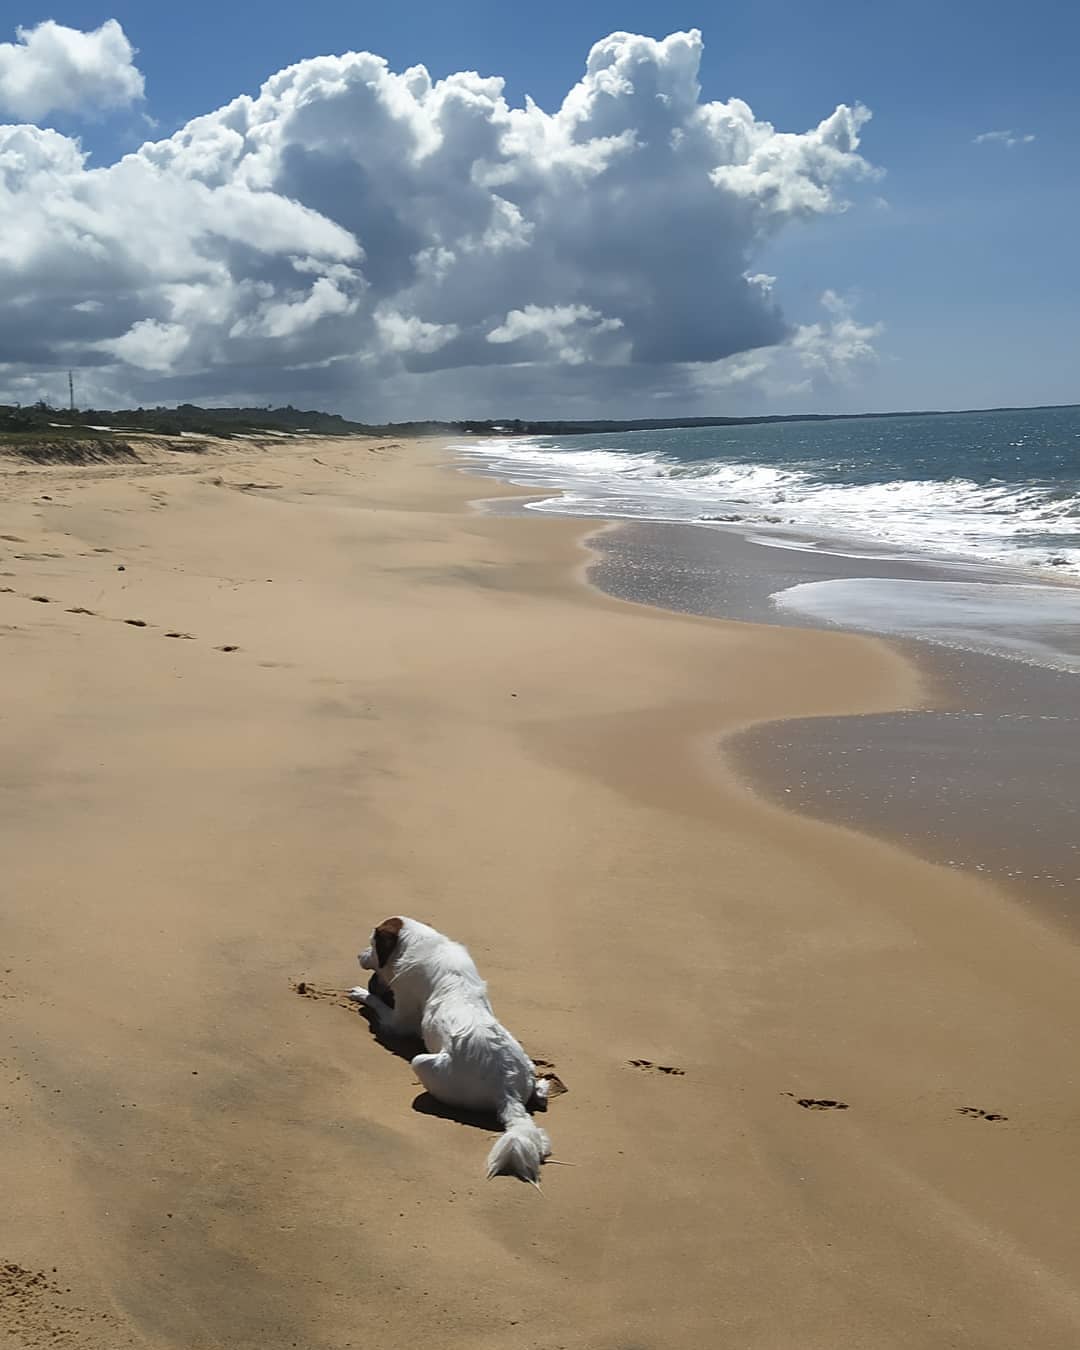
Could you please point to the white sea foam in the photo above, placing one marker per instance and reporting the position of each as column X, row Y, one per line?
column 1033, row 623
column 1017, row 524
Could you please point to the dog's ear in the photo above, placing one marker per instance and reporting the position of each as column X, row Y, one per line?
column 385, row 939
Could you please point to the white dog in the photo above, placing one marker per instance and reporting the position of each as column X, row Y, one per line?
column 473, row 1062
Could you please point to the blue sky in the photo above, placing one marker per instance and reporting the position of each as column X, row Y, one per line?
column 961, row 257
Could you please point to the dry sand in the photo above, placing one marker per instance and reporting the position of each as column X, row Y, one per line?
column 427, row 712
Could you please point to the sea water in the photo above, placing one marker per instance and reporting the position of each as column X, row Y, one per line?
column 984, row 488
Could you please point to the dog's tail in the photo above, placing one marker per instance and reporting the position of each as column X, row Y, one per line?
column 523, row 1146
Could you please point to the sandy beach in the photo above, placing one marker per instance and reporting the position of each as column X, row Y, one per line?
column 822, row 1091
column 979, row 774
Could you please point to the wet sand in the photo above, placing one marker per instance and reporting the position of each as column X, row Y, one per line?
column 345, row 695
column 981, row 773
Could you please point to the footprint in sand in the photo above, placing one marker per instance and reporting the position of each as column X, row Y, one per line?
column 132, row 623
column 977, row 1113
column 647, row 1066
column 817, row 1103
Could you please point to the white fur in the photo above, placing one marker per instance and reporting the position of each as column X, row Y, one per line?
column 473, row 1061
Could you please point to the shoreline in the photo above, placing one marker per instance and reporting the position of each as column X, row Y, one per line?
column 977, row 774
column 845, row 492
column 390, row 703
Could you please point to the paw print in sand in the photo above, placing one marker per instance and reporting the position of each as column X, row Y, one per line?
column 818, row 1103
column 647, row 1066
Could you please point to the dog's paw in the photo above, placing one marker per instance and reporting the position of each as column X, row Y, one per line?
column 548, row 1085
column 359, row 994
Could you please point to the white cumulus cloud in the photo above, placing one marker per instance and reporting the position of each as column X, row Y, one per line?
column 390, row 244
column 148, row 344
column 1006, row 138
column 818, row 357
column 565, row 330
column 51, row 68
column 838, row 346
column 406, row 333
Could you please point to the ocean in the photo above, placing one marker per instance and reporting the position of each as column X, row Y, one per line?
column 991, row 487
column 962, row 526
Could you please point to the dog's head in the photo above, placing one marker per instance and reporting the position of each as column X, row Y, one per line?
column 385, row 941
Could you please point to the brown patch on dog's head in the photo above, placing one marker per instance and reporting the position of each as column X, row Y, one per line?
column 385, row 939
